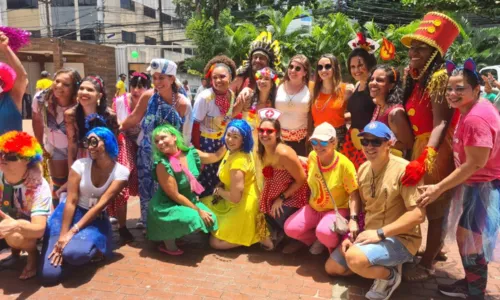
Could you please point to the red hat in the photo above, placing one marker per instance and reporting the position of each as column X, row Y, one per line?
column 436, row 30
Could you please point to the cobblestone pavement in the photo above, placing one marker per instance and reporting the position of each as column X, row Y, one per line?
column 139, row 271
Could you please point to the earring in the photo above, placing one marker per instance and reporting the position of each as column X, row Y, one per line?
column 98, row 102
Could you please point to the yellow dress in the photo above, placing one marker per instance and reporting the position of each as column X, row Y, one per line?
column 238, row 222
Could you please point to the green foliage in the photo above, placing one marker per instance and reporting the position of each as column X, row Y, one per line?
column 329, row 34
column 488, row 7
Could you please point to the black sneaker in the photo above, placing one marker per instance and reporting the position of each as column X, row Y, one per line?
column 458, row 289
column 125, row 235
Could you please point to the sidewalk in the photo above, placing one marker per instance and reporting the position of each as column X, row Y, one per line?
column 139, row 271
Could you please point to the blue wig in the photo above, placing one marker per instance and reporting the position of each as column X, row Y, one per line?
column 246, row 132
column 109, row 139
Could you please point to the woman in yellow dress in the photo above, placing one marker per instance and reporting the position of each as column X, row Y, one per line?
column 234, row 201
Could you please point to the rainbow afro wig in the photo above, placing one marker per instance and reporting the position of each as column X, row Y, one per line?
column 22, row 144
column 7, row 77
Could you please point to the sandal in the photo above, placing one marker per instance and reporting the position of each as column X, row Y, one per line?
column 414, row 273
column 442, row 256
column 275, row 240
column 177, row 252
column 28, row 273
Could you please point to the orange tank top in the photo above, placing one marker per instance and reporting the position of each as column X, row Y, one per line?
column 330, row 108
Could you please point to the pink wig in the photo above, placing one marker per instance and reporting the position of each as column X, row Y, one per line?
column 7, row 76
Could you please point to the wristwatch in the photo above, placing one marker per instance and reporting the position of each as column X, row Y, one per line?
column 282, row 197
column 380, row 233
column 354, row 217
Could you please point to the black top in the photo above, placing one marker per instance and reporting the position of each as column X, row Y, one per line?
column 361, row 107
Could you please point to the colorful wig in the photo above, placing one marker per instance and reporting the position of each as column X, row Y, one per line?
column 7, row 77
column 244, row 130
column 167, row 128
column 22, row 144
column 109, row 139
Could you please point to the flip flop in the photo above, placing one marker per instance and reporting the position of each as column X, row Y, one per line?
column 177, row 252
column 27, row 274
column 417, row 273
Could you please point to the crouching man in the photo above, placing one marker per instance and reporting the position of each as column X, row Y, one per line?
column 25, row 198
column 392, row 231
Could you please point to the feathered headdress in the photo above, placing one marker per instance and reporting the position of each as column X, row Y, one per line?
column 362, row 42
column 264, row 44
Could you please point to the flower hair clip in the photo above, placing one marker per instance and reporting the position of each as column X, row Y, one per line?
column 469, row 65
column 362, row 42
column 91, row 118
column 267, row 72
column 269, row 113
column 209, row 72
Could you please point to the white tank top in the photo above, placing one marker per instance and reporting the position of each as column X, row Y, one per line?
column 294, row 108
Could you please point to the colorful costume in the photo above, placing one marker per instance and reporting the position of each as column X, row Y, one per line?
column 238, row 222
column 438, row 31
column 127, row 154
column 213, row 112
column 158, row 112
column 167, row 219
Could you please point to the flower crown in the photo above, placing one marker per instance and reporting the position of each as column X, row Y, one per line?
column 267, row 72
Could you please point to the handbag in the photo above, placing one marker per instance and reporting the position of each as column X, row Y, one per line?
column 341, row 225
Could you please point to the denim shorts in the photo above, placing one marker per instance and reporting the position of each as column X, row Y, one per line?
column 388, row 253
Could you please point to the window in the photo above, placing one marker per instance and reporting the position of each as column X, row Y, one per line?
column 128, row 37
column 63, row 3
column 149, row 12
column 67, row 34
column 149, row 41
column 188, row 51
column 87, row 34
column 127, row 4
column 166, row 18
column 87, row 2
column 36, row 33
column 16, row 4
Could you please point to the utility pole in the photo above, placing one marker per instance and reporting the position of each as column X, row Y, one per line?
column 162, row 40
column 100, row 21
column 47, row 15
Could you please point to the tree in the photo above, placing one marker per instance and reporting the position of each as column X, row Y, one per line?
column 485, row 7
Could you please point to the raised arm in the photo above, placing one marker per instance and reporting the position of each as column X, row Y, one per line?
column 210, row 158
column 21, row 82
column 139, row 111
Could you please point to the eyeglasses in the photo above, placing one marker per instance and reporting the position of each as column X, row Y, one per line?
column 90, row 142
column 266, row 130
column 8, row 156
column 322, row 143
column 296, row 68
column 327, row 67
column 374, row 142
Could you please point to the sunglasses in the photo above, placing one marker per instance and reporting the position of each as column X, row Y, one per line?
column 266, row 130
column 374, row 142
column 90, row 142
column 296, row 68
column 8, row 156
column 327, row 67
column 322, row 143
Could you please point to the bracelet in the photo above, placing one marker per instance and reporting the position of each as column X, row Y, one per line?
column 282, row 197
column 76, row 228
column 354, row 218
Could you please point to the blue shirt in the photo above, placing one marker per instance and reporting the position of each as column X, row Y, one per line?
column 10, row 116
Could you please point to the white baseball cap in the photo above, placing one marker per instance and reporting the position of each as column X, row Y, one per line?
column 324, row 132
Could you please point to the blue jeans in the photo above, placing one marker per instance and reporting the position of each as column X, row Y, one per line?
column 76, row 253
column 387, row 253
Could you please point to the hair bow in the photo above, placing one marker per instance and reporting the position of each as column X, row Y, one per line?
column 92, row 117
column 469, row 65
column 138, row 74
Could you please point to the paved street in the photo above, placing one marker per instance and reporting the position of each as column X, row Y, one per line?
column 139, row 271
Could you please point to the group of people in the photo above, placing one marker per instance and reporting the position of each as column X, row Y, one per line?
column 263, row 158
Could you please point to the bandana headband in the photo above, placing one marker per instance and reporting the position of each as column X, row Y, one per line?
column 98, row 81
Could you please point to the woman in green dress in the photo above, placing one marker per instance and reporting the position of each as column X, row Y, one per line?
column 175, row 210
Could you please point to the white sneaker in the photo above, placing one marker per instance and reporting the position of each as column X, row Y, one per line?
column 317, row 248
column 139, row 225
column 383, row 289
column 113, row 220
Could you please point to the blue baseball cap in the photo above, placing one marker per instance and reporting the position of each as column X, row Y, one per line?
column 377, row 129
